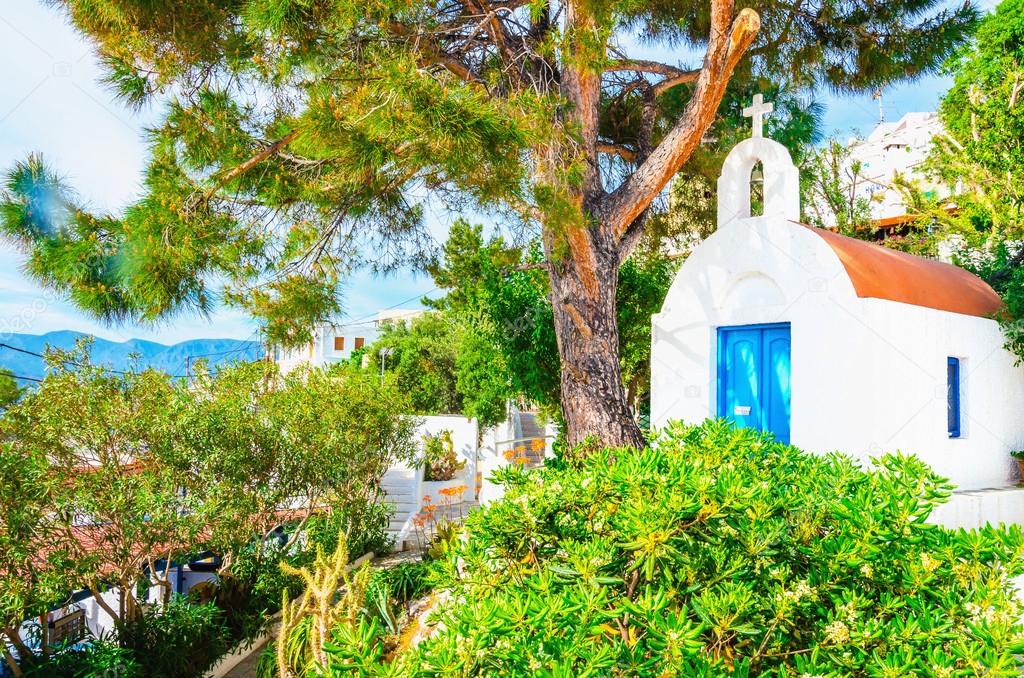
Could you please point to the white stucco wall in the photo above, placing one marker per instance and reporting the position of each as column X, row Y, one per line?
column 868, row 375
column 321, row 351
column 496, row 441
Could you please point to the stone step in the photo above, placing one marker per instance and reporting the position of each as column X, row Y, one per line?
column 971, row 509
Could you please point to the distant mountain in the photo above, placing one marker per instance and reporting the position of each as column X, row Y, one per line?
column 134, row 353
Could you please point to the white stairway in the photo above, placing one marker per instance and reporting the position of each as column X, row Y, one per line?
column 400, row 486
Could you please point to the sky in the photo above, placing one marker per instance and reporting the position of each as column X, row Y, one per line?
column 52, row 102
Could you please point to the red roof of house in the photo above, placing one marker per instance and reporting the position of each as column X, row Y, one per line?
column 883, row 273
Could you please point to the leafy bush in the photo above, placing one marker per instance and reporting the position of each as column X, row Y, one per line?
column 100, row 658
column 252, row 590
column 716, row 552
column 365, row 526
column 403, row 582
column 181, row 640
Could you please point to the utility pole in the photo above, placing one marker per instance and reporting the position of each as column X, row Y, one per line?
column 384, row 353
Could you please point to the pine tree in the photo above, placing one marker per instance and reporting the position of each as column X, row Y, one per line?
column 303, row 138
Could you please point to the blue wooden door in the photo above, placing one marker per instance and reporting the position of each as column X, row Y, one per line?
column 754, row 377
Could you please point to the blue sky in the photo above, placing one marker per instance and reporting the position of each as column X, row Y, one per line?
column 51, row 102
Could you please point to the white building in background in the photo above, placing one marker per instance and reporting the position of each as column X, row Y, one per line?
column 335, row 342
column 833, row 343
column 892, row 148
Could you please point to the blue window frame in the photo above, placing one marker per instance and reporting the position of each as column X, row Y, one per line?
column 953, row 397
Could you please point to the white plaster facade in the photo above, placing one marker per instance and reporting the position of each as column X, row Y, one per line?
column 404, row 485
column 335, row 342
column 331, row 344
column 893, row 148
column 868, row 375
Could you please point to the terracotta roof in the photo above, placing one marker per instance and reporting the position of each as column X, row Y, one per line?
column 892, row 222
column 882, row 273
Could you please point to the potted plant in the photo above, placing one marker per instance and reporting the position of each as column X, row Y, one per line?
column 1019, row 456
column 441, row 465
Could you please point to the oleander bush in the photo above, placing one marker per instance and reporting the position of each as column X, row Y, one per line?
column 101, row 658
column 180, row 640
column 716, row 551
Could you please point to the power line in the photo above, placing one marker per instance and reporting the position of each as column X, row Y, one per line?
column 367, row 318
column 66, row 362
column 226, row 352
column 187, row 360
column 18, row 376
column 109, row 370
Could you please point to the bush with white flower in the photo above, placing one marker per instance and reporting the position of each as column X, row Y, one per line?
column 716, row 552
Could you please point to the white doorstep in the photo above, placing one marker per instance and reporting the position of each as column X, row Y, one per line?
column 976, row 508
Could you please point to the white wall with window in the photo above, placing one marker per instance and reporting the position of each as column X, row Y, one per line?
column 331, row 343
column 834, row 343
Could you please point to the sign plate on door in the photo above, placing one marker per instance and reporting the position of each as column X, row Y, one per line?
column 741, row 410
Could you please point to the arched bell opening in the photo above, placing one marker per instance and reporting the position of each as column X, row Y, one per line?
column 757, row 189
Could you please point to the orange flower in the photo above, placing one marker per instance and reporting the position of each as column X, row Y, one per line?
column 537, row 444
column 426, row 498
column 509, row 454
column 521, row 460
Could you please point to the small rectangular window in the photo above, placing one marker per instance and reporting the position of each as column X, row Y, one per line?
column 339, row 343
column 359, row 343
column 953, row 397
column 69, row 629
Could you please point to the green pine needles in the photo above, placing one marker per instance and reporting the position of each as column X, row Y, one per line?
column 302, row 139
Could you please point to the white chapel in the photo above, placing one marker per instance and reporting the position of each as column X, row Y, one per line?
column 833, row 343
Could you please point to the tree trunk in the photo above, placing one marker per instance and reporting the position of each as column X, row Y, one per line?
column 585, row 250
column 13, row 634
column 11, row 663
column 583, row 290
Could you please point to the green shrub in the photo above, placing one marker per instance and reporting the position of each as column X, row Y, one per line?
column 364, row 524
column 403, row 582
column 252, row 591
column 717, row 552
column 181, row 640
column 100, row 658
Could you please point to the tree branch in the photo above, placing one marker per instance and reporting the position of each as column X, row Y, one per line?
column 581, row 86
column 726, row 46
column 241, row 169
column 457, row 68
column 681, row 79
column 98, row 597
column 615, row 149
column 645, row 66
column 540, row 265
column 673, row 76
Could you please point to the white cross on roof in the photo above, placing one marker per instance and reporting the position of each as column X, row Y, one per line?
column 756, row 113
